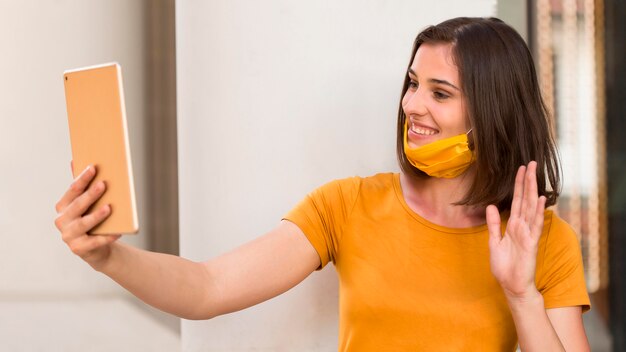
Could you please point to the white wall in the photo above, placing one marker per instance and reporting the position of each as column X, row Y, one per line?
column 274, row 99
column 41, row 39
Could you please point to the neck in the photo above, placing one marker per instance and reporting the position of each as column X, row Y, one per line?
column 433, row 198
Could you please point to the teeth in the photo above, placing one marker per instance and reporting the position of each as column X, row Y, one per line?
column 422, row 131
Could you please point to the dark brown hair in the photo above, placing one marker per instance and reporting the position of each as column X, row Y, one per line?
column 508, row 117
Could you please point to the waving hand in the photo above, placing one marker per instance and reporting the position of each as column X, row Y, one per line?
column 513, row 256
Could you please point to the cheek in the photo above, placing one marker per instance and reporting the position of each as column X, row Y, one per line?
column 458, row 118
column 463, row 115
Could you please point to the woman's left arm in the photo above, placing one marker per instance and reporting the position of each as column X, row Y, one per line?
column 513, row 258
column 568, row 324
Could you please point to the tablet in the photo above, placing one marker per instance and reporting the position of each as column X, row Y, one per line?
column 99, row 136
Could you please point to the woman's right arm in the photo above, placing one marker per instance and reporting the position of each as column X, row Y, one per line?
column 250, row 274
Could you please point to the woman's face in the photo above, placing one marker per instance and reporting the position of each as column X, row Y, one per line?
column 434, row 104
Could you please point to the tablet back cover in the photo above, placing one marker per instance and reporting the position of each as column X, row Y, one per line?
column 99, row 136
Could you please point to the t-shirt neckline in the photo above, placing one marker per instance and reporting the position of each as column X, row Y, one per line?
column 458, row 230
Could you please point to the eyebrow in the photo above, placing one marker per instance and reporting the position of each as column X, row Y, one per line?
column 434, row 80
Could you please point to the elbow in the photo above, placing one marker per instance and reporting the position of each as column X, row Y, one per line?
column 198, row 315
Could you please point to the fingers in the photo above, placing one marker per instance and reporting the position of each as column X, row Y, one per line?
column 530, row 193
column 72, row 227
column 527, row 206
column 493, row 224
column 83, row 246
column 518, row 192
column 537, row 225
column 76, row 188
column 88, row 222
column 80, row 205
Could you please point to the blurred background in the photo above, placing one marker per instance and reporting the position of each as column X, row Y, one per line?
column 224, row 96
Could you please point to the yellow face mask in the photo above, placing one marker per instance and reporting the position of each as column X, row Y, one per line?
column 446, row 158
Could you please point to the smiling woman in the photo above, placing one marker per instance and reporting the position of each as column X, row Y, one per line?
column 467, row 76
column 435, row 131
column 503, row 106
column 464, row 258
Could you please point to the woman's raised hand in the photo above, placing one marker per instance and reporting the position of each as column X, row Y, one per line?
column 513, row 256
column 74, row 225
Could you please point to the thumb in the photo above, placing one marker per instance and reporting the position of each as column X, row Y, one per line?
column 493, row 224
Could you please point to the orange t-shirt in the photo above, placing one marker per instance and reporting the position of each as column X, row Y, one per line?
column 407, row 284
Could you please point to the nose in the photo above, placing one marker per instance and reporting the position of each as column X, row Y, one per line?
column 413, row 103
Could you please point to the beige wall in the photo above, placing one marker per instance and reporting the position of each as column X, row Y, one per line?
column 515, row 13
column 40, row 39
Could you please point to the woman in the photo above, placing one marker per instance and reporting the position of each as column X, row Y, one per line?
column 423, row 258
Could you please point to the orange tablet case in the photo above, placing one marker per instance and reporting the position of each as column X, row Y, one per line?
column 99, row 136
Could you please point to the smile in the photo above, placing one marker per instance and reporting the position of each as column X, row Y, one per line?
column 421, row 130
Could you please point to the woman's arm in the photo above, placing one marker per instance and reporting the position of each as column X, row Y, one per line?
column 540, row 329
column 568, row 324
column 250, row 274
column 513, row 258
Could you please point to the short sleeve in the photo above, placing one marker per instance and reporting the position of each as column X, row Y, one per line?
column 560, row 274
column 322, row 214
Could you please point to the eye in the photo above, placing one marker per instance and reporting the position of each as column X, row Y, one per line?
column 412, row 84
column 440, row 96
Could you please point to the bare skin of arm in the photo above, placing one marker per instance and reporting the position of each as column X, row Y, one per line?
column 513, row 259
column 248, row 275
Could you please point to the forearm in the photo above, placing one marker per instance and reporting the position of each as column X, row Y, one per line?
column 169, row 283
column 534, row 330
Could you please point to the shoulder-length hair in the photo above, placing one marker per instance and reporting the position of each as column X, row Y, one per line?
column 508, row 117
